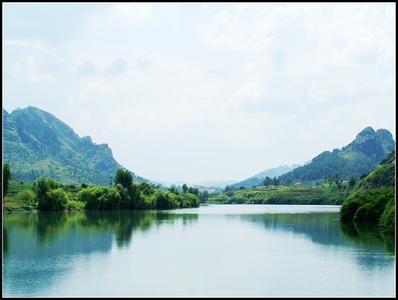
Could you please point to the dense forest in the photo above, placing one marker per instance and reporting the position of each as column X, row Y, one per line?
column 373, row 198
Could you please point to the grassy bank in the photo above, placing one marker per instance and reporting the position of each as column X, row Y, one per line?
column 294, row 194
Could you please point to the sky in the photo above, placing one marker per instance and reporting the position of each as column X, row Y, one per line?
column 205, row 92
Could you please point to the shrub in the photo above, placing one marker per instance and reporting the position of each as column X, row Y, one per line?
column 148, row 201
column 53, row 200
column 165, row 200
column 74, row 205
column 27, row 197
column 43, row 186
column 100, row 198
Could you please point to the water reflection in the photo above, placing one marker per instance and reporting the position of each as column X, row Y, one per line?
column 41, row 245
column 327, row 229
column 319, row 227
column 368, row 235
column 52, row 253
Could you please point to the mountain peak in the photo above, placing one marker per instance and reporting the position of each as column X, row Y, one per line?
column 383, row 133
column 362, row 155
column 37, row 144
column 366, row 132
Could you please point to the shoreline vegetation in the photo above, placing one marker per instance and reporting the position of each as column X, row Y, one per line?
column 326, row 194
column 373, row 198
column 49, row 195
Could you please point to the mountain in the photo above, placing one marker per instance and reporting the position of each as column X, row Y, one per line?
column 275, row 172
column 259, row 178
column 373, row 197
column 37, row 144
column 359, row 157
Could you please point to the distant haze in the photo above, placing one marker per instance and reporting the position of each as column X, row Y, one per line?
column 205, row 92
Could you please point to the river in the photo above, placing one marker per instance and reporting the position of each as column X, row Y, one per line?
column 213, row 250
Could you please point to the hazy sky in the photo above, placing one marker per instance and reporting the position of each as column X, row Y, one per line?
column 201, row 92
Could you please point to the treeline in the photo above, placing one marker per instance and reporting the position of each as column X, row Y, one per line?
column 49, row 195
column 294, row 194
column 334, row 181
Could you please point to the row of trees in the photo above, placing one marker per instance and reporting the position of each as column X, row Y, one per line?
column 50, row 195
column 123, row 194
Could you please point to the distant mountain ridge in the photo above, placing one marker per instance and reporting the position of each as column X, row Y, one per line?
column 259, row 178
column 359, row 157
column 37, row 144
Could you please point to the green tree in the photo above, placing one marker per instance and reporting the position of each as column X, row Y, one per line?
column 100, row 198
column 275, row 181
column 352, row 181
column 267, row 181
column 43, row 186
column 124, row 177
column 204, row 196
column 54, row 200
column 184, row 188
column 165, row 200
column 145, row 188
column 6, row 177
column 194, row 191
column 173, row 189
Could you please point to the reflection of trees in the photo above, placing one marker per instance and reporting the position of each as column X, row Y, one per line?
column 45, row 239
column 368, row 234
column 326, row 228
column 319, row 227
column 49, row 226
column 121, row 223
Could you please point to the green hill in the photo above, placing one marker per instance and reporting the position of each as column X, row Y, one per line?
column 37, row 144
column 359, row 157
column 373, row 198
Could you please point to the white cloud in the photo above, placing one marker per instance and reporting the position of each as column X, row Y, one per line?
column 203, row 92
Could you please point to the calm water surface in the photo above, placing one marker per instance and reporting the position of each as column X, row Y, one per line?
column 215, row 250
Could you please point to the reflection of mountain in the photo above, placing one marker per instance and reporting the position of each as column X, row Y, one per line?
column 43, row 245
column 326, row 229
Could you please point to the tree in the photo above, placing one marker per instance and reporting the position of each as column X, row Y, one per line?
column 267, row 181
column 6, row 177
column 124, row 177
column 275, row 181
column 43, row 186
column 145, row 188
column 352, row 181
column 54, row 200
column 194, row 191
column 204, row 196
column 173, row 189
column 184, row 188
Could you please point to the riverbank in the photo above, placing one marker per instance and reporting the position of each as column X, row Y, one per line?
column 295, row 194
